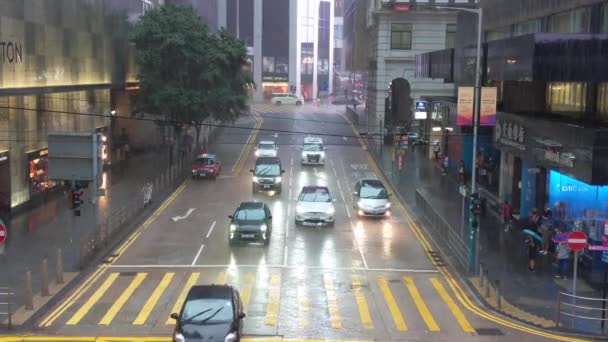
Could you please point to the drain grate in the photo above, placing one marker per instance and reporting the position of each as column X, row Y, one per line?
column 127, row 274
column 489, row 332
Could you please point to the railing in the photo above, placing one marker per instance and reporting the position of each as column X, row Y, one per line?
column 7, row 299
column 581, row 308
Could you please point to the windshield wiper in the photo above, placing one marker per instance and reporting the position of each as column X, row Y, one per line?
column 213, row 315
column 198, row 314
column 263, row 171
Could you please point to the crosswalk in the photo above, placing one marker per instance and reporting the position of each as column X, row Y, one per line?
column 335, row 299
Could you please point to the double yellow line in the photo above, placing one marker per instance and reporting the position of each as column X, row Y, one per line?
column 460, row 294
column 84, row 287
column 236, row 170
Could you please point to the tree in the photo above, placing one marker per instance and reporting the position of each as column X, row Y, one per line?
column 187, row 73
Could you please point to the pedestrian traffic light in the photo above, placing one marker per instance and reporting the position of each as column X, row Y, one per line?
column 475, row 205
column 76, row 200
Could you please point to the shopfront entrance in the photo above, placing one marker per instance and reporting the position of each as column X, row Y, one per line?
column 38, row 173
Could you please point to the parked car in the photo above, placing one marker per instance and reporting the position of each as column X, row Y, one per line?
column 281, row 99
column 251, row 221
column 206, row 165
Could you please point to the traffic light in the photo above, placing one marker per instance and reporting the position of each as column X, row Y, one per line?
column 76, row 200
column 475, row 205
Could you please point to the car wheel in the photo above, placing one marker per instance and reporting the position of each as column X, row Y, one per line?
column 278, row 103
column 298, row 103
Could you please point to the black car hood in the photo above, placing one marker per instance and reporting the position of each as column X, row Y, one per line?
column 206, row 333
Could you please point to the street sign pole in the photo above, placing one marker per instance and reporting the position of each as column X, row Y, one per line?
column 575, row 274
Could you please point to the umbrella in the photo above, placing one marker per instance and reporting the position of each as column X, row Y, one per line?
column 561, row 238
column 533, row 234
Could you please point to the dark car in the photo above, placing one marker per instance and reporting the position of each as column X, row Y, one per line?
column 252, row 221
column 206, row 165
column 267, row 175
column 210, row 313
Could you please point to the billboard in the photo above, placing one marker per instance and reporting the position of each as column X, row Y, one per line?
column 487, row 114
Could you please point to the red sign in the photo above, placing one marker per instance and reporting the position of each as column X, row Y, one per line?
column 577, row 241
column 401, row 8
column 3, row 233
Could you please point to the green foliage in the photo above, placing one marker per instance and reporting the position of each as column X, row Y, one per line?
column 186, row 72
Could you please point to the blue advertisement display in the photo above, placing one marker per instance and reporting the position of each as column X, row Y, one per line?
column 528, row 188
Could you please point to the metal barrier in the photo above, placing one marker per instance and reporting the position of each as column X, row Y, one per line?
column 578, row 307
column 7, row 299
column 453, row 239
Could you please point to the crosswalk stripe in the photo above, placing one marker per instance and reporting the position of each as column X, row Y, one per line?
column 364, row 314
column 462, row 320
column 420, row 305
column 303, row 305
column 274, row 298
column 332, row 302
column 392, row 304
column 182, row 295
column 92, row 300
column 221, row 278
column 120, row 302
column 246, row 293
column 151, row 302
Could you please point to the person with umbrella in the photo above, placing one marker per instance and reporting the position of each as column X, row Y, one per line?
column 533, row 240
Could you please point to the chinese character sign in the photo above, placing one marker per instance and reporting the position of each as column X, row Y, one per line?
column 465, row 106
column 487, row 109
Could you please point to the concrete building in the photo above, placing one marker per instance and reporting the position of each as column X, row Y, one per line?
column 207, row 9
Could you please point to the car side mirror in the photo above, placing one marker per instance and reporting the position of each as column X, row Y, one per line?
column 334, row 199
column 282, row 171
column 299, row 148
column 230, row 217
column 270, row 217
column 242, row 315
column 355, row 193
column 251, row 170
column 389, row 195
column 175, row 316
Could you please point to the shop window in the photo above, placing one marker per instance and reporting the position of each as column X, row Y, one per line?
column 574, row 21
column 450, row 36
column 39, row 171
column 527, row 27
column 401, row 36
column 568, row 98
column 602, row 101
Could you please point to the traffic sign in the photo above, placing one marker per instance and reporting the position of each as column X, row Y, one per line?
column 421, row 106
column 3, row 232
column 577, row 241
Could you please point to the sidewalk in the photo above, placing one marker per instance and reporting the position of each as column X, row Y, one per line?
column 503, row 254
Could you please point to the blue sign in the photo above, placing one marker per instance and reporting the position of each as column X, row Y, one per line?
column 421, row 106
column 324, row 86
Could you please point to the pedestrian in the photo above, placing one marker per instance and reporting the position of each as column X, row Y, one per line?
column 436, row 150
column 461, row 178
column 563, row 260
column 548, row 215
column 446, row 164
column 534, row 219
column 532, row 249
column 507, row 214
column 546, row 233
column 491, row 170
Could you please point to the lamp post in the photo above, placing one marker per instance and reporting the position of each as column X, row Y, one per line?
column 473, row 222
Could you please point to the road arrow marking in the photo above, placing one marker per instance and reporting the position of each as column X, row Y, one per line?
column 177, row 218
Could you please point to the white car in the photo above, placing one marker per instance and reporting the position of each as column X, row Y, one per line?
column 313, row 152
column 281, row 99
column 371, row 198
column 266, row 149
column 315, row 207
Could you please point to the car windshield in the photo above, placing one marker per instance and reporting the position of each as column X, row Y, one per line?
column 373, row 192
column 268, row 170
column 204, row 161
column 314, row 195
column 266, row 146
column 313, row 147
column 207, row 311
column 254, row 214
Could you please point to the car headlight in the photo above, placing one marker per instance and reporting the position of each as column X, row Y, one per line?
column 232, row 228
column 330, row 211
column 193, row 171
column 230, row 337
column 255, row 179
column 322, row 154
column 360, row 204
column 388, row 205
column 278, row 179
column 299, row 210
column 264, row 227
column 257, row 153
column 178, row 337
column 303, row 154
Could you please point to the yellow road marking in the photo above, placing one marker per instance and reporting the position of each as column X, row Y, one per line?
column 182, row 295
column 248, row 145
column 120, row 302
column 366, row 318
column 303, row 305
column 221, row 278
column 151, row 302
column 246, row 293
column 274, row 298
column 392, row 304
column 332, row 302
column 462, row 320
column 92, row 300
column 420, row 305
column 149, row 339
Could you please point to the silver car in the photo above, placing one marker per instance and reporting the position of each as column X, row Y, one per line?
column 315, row 207
column 371, row 198
column 266, row 149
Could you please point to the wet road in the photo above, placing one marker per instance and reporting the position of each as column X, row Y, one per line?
column 364, row 279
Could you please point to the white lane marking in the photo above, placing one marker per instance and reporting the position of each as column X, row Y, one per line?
column 276, row 135
column 359, row 247
column 285, row 255
column 340, row 189
column 335, row 173
column 404, row 270
column 344, row 138
column 177, row 218
column 288, row 210
column 289, row 194
column 211, row 229
column 200, row 250
column 347, row 210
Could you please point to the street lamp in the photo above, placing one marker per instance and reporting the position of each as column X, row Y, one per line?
column 474, row 230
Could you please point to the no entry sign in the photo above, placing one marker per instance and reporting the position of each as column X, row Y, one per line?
column 3, row 232
column 577, row 241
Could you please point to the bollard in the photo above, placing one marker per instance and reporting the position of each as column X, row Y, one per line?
column 487, row 284
column 59, row 267
column 481, row 274
column 29, row 295
column 44, row 279
column 497, row 289
column 559, row 308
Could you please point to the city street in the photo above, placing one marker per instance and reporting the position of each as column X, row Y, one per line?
column 364, row 279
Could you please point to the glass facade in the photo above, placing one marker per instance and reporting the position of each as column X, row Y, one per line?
column 567, row 98
column 530, row 26
column 450, row 36
column 602, row 101
column 575, row 21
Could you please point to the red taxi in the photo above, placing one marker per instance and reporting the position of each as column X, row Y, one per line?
column 206, row 165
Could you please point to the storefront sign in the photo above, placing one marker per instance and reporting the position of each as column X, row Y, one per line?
column 487, row 109
column 510, row 134
column 465, row 106
column 488, row 106
column 12, row 52
column 402, row 8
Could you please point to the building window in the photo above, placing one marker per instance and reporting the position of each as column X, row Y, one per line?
column 575, row 21
column 568, row 98
column 605, row 17
column 401, row 36
column 602, row 101
column 499, row 33
column 530, row 26
column 450, row 36
column 338, row 31
column 146, row 6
